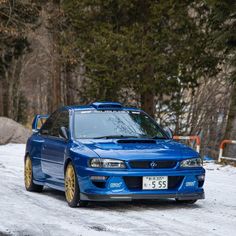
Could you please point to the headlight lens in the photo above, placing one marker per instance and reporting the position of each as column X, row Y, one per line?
column 193, row 162
column 107, row 163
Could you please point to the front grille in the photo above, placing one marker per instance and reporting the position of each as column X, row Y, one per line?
column 135, row 182
column 152, row 164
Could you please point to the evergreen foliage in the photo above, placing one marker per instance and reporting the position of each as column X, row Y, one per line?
column 151, row 47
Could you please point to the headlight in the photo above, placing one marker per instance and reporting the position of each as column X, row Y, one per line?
column 193, row 162
column 107, row 163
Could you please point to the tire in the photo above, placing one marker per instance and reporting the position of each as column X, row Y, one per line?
column 72, row 191
column 186, row 201
column 28, row 177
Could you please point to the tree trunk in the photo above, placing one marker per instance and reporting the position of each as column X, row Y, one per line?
column 147, row 102
column 56, row 65
column 68, row 86
column 1, row 98
column 230, row 132
column 147, row 94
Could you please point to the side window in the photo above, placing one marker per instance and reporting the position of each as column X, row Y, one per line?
column 61, row 120
column 47, row 126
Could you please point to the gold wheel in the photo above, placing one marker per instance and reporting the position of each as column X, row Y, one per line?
column 70, row 183
column 28, row 172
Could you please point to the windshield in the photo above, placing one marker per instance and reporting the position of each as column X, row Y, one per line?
column 115, row 124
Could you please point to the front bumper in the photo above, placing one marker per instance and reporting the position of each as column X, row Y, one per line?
column 184, row 184
column 130, row 197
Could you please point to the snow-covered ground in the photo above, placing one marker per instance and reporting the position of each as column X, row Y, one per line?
column 47, row 213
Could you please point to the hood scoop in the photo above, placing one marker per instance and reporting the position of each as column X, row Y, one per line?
column 136, row 141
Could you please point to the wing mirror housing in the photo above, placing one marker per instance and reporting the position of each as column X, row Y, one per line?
column 169, row 132
column 63, row 132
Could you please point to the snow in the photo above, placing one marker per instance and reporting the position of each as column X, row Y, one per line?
column 47, row 213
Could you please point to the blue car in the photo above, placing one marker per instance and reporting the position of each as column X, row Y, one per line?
column 107, row 152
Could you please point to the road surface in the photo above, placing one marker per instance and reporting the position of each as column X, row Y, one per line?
column 47, row 213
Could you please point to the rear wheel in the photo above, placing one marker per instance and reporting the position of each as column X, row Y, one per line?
column 71, row 188
column 28, row 177
column 186, row 201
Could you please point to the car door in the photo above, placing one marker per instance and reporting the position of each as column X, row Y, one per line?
column 39, row 144
column 54, row 150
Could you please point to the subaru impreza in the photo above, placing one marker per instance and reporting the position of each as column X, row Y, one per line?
column 108, row 152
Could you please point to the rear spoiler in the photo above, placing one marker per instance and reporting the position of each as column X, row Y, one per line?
column 38, row 122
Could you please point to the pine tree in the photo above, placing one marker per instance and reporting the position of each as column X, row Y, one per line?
column 146, row 46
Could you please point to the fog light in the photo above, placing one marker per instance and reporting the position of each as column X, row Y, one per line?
column 201, row 177
column 98, row 178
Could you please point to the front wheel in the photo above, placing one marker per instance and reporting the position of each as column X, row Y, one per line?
column 28, row 177
column 71, row 188
column 185, row 201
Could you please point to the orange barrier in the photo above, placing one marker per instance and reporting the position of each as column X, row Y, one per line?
column 222, row 146
column 192, row 138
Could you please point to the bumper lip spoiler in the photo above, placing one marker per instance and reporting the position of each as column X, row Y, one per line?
column 130, row 197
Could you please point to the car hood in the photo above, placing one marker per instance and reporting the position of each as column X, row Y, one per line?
column 127, row 150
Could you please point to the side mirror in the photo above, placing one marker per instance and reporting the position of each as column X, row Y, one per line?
column 169, row 132
column 63, row 133
column 38, row 121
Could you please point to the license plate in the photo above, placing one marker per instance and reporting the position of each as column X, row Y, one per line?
column 155, row 182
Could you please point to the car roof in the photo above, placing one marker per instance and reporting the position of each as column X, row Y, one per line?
column 101, row 106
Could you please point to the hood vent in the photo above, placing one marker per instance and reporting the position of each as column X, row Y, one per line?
column 136, row 141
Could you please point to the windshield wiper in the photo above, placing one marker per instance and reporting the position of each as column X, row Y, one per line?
column 115, row 136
